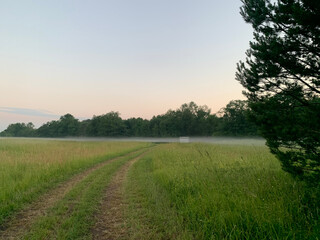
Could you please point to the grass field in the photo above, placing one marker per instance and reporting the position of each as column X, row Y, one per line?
column 29, row 168
column 198, row 191
column 56, row 190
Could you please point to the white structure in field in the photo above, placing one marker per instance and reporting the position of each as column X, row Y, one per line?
column 184, row 139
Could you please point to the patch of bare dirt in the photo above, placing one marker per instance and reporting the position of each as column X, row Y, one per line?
column 110, row 222
column 21, row 222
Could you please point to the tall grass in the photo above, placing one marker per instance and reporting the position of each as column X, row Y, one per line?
column 219, row 192
column 31, row 167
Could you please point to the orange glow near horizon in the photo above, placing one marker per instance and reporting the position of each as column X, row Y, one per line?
column 90, row 58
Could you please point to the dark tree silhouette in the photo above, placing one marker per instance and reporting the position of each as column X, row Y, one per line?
column 281, row 76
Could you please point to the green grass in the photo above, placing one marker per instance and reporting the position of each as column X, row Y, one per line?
column 28, row 168
column 198, row 191
column 73, row 216
column 176, row 191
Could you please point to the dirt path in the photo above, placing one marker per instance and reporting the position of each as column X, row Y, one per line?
column 16, row 227
column 110, row 223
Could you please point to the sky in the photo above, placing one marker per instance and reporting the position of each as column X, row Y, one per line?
column 137, row 57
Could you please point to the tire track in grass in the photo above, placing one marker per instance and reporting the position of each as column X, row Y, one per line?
column 22, row 221
column 110, row 221
column 73, row 216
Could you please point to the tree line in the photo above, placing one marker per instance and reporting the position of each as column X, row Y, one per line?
column 188, row 120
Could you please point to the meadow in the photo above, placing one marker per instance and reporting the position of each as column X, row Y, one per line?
column 30, row 168
column 171, row 191
column 202, row 191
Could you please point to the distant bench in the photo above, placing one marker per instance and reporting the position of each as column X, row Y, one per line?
column 184, row 139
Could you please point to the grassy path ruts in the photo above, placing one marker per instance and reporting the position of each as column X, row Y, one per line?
column 23, row 220
column 73, row 216
column 110, row 222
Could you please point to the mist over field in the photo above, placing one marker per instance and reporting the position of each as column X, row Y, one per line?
column 256, row 141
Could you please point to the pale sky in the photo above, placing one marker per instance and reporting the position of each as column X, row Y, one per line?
column 138, row 57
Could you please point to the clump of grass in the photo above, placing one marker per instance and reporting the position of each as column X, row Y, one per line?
column 149, row 212
column 29, row 168
column 219, row 192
